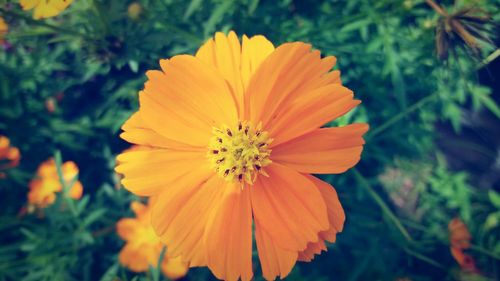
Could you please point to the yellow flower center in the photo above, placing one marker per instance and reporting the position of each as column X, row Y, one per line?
column 240, row 153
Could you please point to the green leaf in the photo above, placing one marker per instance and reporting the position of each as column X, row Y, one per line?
column 193, row 6
column 494, row 198
column 92, row 217
column 489, row 103
column 111, row 273
column 134, row 65
column 355, row 25
column 217, row 16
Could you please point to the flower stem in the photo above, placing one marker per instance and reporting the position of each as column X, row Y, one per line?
column 437, row 8
column 484, row 251
column 385, row 208
column 401, row 115
column 424, row 258
column 65, row 187
column 17, row 15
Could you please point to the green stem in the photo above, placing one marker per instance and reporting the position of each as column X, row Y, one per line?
column 424, row 258
column 96, row 7
column 17, row 15
column 484, row 251
column 65, row 187
column 489, row 59
column 396, row 118
column 385, row 208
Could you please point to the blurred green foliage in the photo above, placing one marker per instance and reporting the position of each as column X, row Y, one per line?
column 68, row 83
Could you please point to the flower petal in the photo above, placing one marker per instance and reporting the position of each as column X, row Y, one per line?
column 28, row 4
column 311, row 111
column 336, row 218
column 323, row 151
column 290, row 71
column 254, row 51
column 235, row 62
column 312, row 249
column 126, row 228
column 336, row 215
column 149, row 172
column 289, row 207
column 274, row 260
column 174, row 268
column 133, row 258
column 136, row 131
column 228, row 236
column 76, row 191
column 180, row 217
column 186, row 100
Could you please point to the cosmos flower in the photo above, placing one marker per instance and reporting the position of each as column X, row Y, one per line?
column 4, row 28
column 9, row 155
column 143, row 247
column 46, row 184
column 460, row 241
column 45, row 8
column 230, row 137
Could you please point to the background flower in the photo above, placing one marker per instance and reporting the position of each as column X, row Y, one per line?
column 143, row 247
column 4, row 28
column 46, row 184
column 45, row 8
column 9, row 155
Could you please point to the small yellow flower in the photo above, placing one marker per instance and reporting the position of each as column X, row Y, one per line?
column 4, row 28
column 45, row 8
column 143, row 247
column 9, row 155
column 46, row 184
column 134, row 11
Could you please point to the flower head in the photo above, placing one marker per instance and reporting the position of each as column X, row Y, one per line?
column 46, row 184
column 4, row 28
column 143, row 247
column 9, row 155
column 45, row 8
column 230, row 137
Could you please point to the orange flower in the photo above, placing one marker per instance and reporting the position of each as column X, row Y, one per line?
column 9, row 155
column 460, row 240
column 46, row 184
column 143, row 247
column 4, row 28
column 45, row 8
column 459, row 234
column 232, row 135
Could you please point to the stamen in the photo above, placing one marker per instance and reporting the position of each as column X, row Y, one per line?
column 239, row 153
